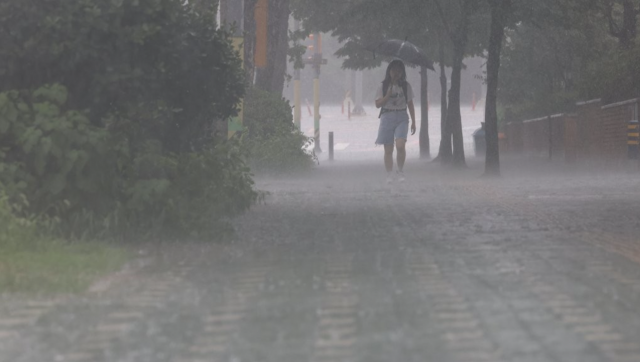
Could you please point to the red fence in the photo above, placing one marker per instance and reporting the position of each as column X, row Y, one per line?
column 595, row 133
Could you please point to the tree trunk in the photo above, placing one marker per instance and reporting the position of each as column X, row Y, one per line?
column 499, row 11
column 224, row 10
column 425, row 146
column 454, row 118
column 459, row 39
column 249, row 40
column 271, row 78
column 445, row 153
column 352, row 91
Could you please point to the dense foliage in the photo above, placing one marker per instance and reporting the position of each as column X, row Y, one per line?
column 108, row 111
column 155, row 67
column 272, row 141
column 567, row 52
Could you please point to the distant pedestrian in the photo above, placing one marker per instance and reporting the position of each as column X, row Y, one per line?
column 395, row 97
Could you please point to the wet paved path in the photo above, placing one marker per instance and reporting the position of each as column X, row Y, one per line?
column 337, row 266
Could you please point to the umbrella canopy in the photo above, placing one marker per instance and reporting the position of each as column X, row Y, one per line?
column 403, row 50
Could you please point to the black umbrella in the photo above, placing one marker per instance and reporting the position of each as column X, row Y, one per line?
column 403, row 50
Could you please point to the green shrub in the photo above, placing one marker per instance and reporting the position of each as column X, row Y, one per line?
column 272, row 141
column 263, row 111
column 189, row 193
column 96, row 185
column 52, row 154
column 282, row 150
column 15, row 230
column 108, row 112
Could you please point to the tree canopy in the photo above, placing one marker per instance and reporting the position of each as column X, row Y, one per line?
column 567, row 51
column 127, row 61
column 108, row 111
column 358, row 23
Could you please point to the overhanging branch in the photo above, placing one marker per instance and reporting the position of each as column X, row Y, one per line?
column 443, row 19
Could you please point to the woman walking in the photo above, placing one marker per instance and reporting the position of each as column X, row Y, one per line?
column 394, row 97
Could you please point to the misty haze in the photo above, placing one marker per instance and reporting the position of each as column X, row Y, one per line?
column 319, row 181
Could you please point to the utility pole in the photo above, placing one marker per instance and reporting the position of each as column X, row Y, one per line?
column 232, row 13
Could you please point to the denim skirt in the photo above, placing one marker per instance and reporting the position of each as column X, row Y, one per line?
column 393, row 125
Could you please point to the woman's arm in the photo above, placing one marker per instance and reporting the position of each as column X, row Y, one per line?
column 412, row 113
column 382, row 101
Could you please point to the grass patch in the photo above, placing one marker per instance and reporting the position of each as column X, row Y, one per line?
column 54, row 267
column 33, row 261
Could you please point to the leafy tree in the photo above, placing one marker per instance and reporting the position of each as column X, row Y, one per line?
column 613, row 74
column 552, row 56
column 456, row 19
column 107, row 110
column 155, row 65
column 504, row 14
column 500, row 11
column 622, row 17
column 359, row 24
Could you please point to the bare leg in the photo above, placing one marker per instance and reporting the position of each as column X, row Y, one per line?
column 402, row 153
column 388, row 157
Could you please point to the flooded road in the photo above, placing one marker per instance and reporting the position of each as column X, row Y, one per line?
column 336, row 265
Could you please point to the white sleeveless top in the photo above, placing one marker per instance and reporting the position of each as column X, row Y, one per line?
column 397, row 100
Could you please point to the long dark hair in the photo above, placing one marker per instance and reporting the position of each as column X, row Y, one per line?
column 396, row 63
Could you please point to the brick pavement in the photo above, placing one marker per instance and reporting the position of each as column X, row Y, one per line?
column 338, row 266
